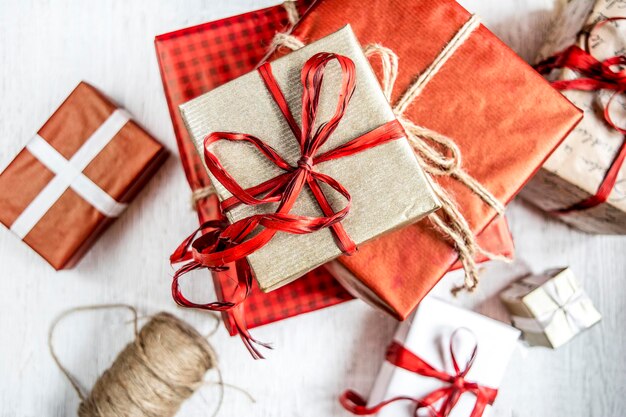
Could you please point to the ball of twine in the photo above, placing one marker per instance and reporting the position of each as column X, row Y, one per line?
column 153, row 375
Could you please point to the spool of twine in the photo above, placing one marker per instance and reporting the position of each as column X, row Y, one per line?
column 153, row 375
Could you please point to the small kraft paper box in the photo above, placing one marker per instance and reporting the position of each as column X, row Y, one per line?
column 550, row 308
column 502, row 116
column 76, row 175
column 388, row 189
column 420, row 358
column 590, row 160
column 196, row 60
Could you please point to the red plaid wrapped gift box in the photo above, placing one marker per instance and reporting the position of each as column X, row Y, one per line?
column 195, row 60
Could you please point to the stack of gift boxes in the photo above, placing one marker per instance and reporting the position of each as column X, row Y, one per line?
column 332, row 156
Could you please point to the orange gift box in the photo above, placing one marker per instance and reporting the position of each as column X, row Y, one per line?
column 504, row 117
column 495, row 239
column 75, row 176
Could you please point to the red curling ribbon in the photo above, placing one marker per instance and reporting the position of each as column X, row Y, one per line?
column 449, row 395
column 594, row 75
column 222, row 244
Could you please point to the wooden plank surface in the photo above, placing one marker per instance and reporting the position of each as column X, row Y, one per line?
column 47, row 47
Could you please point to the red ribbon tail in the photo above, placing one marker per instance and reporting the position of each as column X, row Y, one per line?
column 234, row 308
column 484, row 397
column 605, row 189
column 182, row 252
column 251, row 343
column 357, row 405
column 182, row 301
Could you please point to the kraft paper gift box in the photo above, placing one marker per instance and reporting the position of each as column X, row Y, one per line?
column 428, row 335
column 504, row 118
column 374, row 178
column 196, row 60
column 576, row 170
column 550, row 308
column 76, row 175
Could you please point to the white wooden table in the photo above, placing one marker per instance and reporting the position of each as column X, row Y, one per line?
column 46, row 47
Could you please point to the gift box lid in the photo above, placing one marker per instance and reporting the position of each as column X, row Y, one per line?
column 374, row 178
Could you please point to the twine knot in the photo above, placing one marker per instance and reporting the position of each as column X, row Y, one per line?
column 201, row 194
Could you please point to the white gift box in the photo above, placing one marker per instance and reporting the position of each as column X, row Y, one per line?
column 550, row 308
column 427, row 335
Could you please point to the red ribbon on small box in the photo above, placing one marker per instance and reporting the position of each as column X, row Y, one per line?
column 594, row 75
column 399, row 356
column 224, row 243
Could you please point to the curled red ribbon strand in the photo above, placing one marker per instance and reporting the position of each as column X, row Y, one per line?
column 594, row 75
column 399, row 356
column 222, row 244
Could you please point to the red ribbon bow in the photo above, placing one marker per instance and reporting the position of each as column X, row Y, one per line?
column 594, row 75
column 399, row 356
column 224, row 243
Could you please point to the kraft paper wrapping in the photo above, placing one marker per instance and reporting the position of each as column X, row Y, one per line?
column 387, row 186
column 121, row 169
column 427, row 335
column 502, row 115
column 550, row 308
column 576, row 169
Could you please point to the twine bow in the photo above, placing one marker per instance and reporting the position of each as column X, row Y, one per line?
column 222, row 243
column 438, row 155
column 594, row 75
column 448, row 395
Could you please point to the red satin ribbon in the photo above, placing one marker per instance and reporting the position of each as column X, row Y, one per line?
column 594, row 75
column 449, row 395
column 223, row 243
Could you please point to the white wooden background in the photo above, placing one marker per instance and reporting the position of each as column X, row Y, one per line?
column 46, row 47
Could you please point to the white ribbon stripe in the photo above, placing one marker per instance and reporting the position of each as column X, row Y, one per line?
column 68, row 174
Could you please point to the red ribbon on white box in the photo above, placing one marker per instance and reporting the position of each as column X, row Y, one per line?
column 68, row 174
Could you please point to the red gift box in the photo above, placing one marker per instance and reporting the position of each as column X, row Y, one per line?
column 458, row 80
column 76, row 175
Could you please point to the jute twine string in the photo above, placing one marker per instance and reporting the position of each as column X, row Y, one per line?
column 293, row 16
column 201, row 194
column 153, row 375
column 286, row 40
column 437, row 154
column 292, row 11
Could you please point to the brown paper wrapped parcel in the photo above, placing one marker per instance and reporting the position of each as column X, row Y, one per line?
column 575, row 170
column 550, row 308
column 388, row 188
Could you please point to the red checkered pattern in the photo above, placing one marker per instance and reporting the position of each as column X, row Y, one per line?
column 196, row 60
